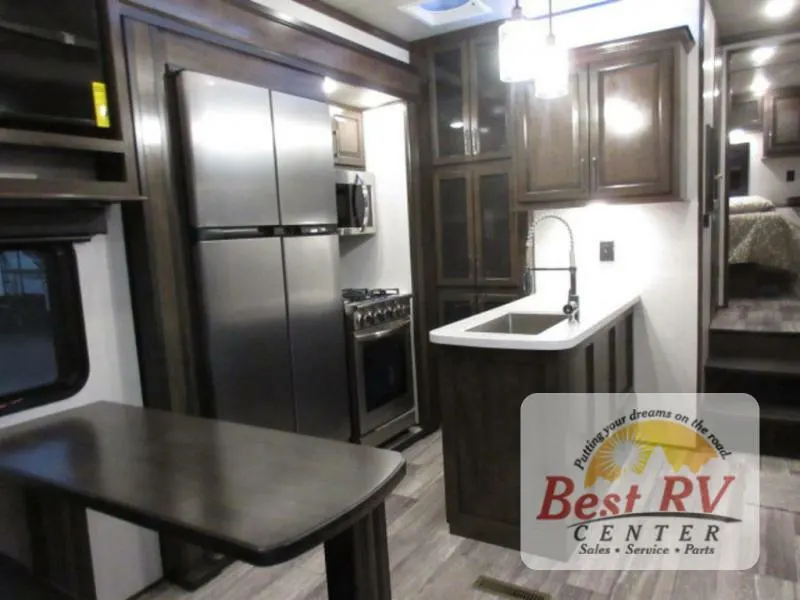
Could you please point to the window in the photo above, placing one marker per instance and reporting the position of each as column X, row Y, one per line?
column 43, row 356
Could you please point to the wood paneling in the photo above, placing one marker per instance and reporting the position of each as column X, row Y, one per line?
column 270, row 35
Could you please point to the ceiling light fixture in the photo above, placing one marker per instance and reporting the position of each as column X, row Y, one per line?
column 760, row 85
column 759, row 56
column 552, row 73
column 517, row 48
column 329, row 86
column 777, row 9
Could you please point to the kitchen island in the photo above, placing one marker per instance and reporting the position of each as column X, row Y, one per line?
column 488, row 365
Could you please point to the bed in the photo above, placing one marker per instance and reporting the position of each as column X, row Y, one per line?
column 764, row 248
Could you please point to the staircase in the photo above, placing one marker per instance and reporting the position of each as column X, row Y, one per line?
column 765, row 365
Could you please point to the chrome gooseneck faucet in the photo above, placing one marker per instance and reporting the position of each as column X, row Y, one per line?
column 572, row 307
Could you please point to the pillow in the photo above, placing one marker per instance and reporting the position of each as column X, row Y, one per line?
column 749, row 204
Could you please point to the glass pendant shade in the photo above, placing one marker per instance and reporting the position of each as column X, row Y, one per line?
column 552, row 70
column 517, row 51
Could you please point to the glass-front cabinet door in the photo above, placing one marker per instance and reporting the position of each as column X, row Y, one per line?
column 489, row 102
column 497, row 260
column 453, row 213
column 450, row 103
column 456, row 305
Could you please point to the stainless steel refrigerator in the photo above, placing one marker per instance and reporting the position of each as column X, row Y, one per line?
column 262, row 202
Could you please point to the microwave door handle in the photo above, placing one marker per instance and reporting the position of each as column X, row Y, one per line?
column 382, row 333
column 366, row 196
column 359, row 205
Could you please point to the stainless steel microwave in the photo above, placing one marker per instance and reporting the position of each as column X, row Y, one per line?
column 355, row 202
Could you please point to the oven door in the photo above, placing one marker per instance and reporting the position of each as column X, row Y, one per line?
column 383, row 374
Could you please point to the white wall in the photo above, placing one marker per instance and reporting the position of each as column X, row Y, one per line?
column 656, row 245
column 383, row 260
column 768, row 177
column 126, row 558
column 348, row 32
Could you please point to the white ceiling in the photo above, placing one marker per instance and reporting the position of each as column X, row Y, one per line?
column 782, row 70
column 738, row 18
column 386, row 15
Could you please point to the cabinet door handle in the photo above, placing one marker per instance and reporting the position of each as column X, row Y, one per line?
column 594, row 171
column 476, row 141
column 467, row 142
column 582, row 180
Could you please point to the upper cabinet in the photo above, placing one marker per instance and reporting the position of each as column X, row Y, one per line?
column 477, row 232
column 782, row 122
column 633, row 135
column 557, row 169
column 469, row 103
column 348, row 137
column 615, row 136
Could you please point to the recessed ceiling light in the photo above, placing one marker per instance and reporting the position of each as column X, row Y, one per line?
column 777, row 9
column 759, row 56
column 329, row 85
column 760, row 85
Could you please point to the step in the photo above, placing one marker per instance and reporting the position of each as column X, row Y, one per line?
column 756, row 366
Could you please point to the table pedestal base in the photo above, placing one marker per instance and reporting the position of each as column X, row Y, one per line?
column 357, row 560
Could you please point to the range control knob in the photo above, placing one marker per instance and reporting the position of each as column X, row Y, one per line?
column 369, row 318
column 358, row 319
column 380, row 314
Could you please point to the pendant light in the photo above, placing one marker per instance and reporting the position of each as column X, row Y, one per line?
column 517, row 48
column 552, row 66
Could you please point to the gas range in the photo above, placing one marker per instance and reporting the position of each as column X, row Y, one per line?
column 380, row 358
column 367, row 308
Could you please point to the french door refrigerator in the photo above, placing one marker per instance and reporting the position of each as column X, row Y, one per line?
column 261, row 187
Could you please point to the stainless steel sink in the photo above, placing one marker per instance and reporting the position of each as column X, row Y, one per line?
column 520, row 324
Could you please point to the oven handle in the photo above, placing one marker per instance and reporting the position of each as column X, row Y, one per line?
column 382, row 333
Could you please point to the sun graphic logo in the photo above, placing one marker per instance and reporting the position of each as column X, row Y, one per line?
column 630, row 449
column 660, row 482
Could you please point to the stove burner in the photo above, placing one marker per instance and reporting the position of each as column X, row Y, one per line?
column 364, row 294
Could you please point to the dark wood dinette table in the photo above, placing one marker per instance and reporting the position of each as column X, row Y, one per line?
column 256, row 495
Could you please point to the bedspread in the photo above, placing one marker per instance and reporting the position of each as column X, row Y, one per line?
column 765, row 238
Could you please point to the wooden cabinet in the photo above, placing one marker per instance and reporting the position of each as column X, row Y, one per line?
column 481, row 392
column 348, row 137
column 782, row 122
column 455, row 305
column 469, row 103
column 632, row 140
column 615, row 136
column 558, row 168
column 477, row 232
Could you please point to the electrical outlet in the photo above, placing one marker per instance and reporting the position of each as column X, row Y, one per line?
column 606, row 251
column 790, row 175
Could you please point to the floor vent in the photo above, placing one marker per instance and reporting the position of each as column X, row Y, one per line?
column 506, row 590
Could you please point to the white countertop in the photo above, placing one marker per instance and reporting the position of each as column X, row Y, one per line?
column 597, row 311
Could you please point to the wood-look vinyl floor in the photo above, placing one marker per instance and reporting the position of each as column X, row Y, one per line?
column 781, row 315
column 430, row 564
